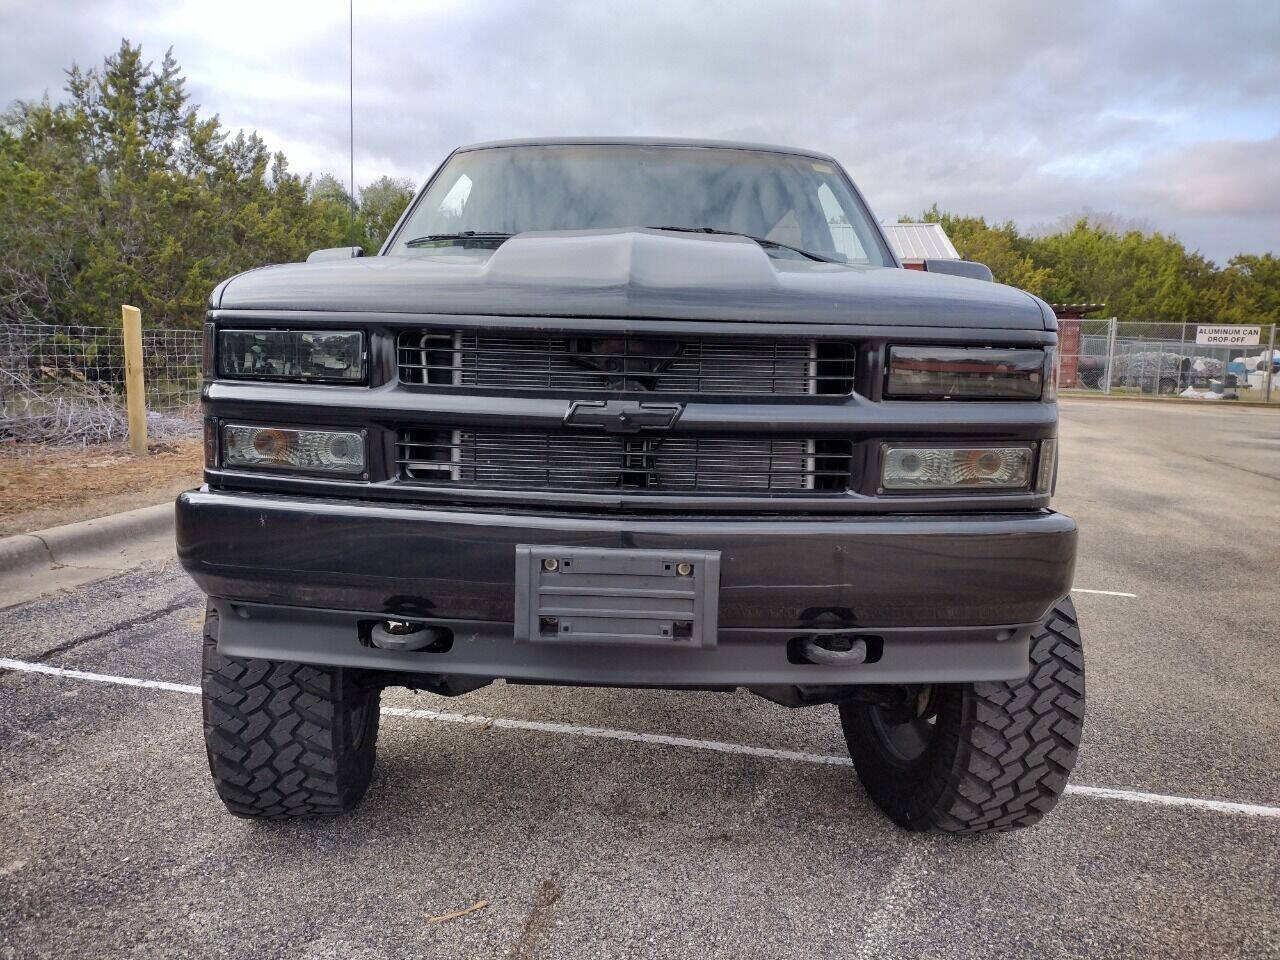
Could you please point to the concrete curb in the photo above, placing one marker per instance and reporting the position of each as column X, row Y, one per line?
column 26, row 553
column 1184, row 401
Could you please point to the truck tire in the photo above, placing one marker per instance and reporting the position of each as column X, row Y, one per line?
column 286, row 739
column 977, row 757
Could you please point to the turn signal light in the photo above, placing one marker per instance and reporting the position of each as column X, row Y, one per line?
column 944, row 468
column 1048, row 461
column 303, row 451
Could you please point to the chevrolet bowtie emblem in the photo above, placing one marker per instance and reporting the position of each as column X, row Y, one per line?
column 621, row 416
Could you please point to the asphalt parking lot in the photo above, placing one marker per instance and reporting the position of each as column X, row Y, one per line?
column 619, row 844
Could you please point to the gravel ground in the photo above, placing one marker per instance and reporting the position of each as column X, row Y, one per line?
column 112, row 842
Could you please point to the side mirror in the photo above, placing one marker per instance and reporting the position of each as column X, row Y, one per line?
column 335, row 253
column 959, row 268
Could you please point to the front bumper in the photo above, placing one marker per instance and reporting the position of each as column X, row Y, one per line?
column 954, row 597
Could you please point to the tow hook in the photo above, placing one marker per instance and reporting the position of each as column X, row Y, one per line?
column 834, row 649
column 406, row 635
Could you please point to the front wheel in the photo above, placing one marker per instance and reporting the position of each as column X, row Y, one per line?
column 977, row 757
column 286, row 739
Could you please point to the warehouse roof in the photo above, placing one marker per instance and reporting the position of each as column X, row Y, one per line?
column 1075, row 311
column 920, row 241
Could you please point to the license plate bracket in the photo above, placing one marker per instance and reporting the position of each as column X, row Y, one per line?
column 605, row 595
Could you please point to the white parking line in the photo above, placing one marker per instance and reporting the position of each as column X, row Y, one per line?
column 1105, row 593
column 1167, row 800
column 26, row 667
column 608, row 733
column 629, row 736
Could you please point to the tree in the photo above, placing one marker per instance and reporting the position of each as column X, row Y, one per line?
column 1138, row 276
column 999, row 246
column 381, row 204
column 1138, row 273
column 122, row 193
column 1248, row 290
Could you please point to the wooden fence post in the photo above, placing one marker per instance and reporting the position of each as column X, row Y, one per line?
column 135, row 398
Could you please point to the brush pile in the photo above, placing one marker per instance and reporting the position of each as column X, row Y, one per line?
column 79, row 415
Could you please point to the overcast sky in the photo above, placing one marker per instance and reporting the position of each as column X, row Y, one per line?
column 1158, row 111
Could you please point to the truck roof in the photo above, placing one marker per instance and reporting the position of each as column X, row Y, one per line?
column 644, row 142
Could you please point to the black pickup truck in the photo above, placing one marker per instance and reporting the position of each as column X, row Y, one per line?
column 637, row 413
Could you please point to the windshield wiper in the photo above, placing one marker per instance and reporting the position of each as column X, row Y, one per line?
column 763, row 241
column 464, row 235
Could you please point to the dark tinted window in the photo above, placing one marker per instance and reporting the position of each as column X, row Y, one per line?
column 795, row 200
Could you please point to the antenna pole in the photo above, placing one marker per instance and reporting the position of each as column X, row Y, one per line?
column 351, row 108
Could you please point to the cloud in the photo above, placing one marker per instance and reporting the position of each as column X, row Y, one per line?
column 1238, row 178
column 1167, row 112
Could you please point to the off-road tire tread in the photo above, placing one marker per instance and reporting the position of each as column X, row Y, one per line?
column 1006, row 750
column 281, row 736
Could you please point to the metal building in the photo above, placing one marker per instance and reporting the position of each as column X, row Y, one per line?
column 920, row 241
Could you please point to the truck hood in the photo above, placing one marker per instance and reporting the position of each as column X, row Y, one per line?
column 632, row 273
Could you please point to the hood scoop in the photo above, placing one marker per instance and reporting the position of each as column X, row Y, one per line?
column 649, row 259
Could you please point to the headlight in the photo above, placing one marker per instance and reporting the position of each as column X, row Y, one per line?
column 947, row 468
column 978, row 373
column 277, row 448
column 318, row 356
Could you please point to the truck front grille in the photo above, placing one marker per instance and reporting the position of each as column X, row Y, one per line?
column 590, row 462
column 690, row 366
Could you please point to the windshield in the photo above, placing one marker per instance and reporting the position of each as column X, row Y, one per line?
column 801, row 202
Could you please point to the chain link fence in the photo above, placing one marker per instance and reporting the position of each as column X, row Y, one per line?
column 1124, row 358
column 65, row 384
